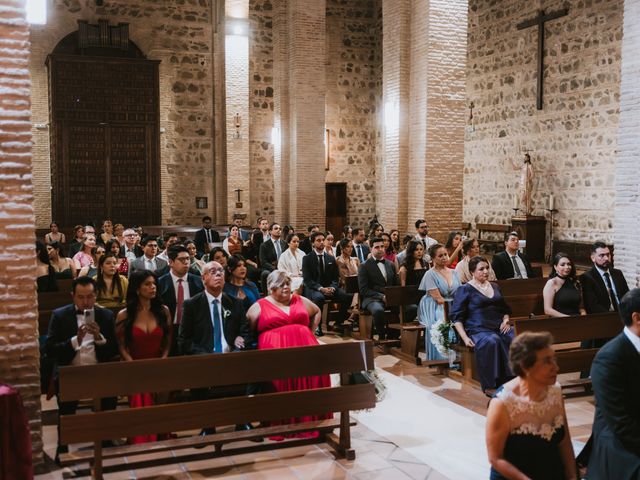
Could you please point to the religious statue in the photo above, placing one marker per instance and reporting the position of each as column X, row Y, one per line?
column 526, row 183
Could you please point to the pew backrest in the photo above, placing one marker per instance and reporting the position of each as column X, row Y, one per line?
column 574, row 328
column 524, row 286
column 525, row 305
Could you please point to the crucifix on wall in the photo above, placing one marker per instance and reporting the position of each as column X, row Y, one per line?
column 540, row 20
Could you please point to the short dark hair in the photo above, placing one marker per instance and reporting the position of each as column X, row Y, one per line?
column 468, row 245
column 273, row 225
column 168, row 235
column 213, row 252
column 475, row 261
column 148, row 239
column 596, row 245
column 510, row 234
column 315, row 235
column 629, row 304
column 174, row 250
column 375, row 240
column 356, row 231
column 83, row 281
column 290, row 237
column 311, row 227
column 524, row 348
column 344, row 242
column 205, row 218
column 418, row 222
column 233, row 262
column 346, row 228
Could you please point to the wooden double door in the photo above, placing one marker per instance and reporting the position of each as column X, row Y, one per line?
column 104, row 140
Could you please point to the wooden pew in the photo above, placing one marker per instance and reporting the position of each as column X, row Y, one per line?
column 484, row 228
column 178, row 373
column 523, row 286
column 525, row 305
column 575, row 328
column 411, row 333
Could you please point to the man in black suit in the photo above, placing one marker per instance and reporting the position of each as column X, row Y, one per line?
column 511, row 263
column 270, row 251
column 176, row 286
column 80, row 334
column 615, row 374
column 320, row 278
column 360, row 249
column 213, row 322
column 373, row 276
column 603, row 286
column 205, row 236
column 130, row 250
column 306, row 245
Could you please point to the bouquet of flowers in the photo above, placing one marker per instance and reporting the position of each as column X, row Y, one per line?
column 442, row 337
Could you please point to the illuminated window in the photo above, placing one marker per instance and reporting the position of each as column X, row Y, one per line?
column 37, row 11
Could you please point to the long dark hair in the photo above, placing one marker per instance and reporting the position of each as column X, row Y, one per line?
column 410, row 262
column 136, row 279
column 449, row 244
column 389, row 249
column 556, row 259
column 395, row 245
column 116, row 283
column 58, row 247
column 232, row 263
column 43, row 256
column 109, row 245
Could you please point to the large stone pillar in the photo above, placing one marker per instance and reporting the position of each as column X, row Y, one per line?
column 299, row 77
column 627, row 188
column 19, row 356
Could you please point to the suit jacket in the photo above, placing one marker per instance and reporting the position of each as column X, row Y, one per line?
column 311, row 277
column 138, row 264
column 63, row 325
column 305, row 245
column 268, row 257
column 372, row 283
column 502, row 265
column 365, row 251
column 136, row 249
column 616, row 429
column 196, row 330
column 595, row 292
column 168, row 291
column 200, row 240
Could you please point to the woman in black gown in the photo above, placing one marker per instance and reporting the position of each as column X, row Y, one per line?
column 527, row 431
column 562, row 293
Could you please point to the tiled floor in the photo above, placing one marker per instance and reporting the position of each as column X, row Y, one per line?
column 377, row 456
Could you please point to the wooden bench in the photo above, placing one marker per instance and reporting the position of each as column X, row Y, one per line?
column 484, row 228
column 523, row 286
column 201, row 371
column 567, row 330
column 411, row 333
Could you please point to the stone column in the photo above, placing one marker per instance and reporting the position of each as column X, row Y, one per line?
column 299, row 52
column 627, row 188
column 19, row 355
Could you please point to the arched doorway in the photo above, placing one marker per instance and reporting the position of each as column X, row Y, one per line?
column 104, row 107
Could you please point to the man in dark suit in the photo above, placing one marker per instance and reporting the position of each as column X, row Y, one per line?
column 80, row 334
column 149, row 260
column 213, row 322
column 510, row 263
column 306, row 245
column 205, row 236
column 360, row 249
column 373, row 276
column 270, row 251
column 320, row 278
column 603, row 286
column 615, row 374
column 130, row 250
column 176, row 286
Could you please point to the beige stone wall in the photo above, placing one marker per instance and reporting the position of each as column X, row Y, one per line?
column 354, row 96
column 179, row 34
column 19, row 355
column 573, row 140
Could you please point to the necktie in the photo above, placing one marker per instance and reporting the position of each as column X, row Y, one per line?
column 516, row 268
column 179, row 302
column 278, row 249
column 208, row 234
column 321, row 265
column 359, row 250
column 612, row 295
column 217, row 327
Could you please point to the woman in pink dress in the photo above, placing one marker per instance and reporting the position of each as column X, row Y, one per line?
column 283, row 320
column 144, row 331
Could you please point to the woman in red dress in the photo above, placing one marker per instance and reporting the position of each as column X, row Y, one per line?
column 144, row 331
column 283, row 320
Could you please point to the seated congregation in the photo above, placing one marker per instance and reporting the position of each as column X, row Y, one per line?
column 273, row 288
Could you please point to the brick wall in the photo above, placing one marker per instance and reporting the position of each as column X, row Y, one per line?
column 627, row 187
column 179, row 34
column 19, row 356
column 573, row 140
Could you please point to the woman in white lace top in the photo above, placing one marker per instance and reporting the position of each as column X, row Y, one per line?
column 527, row 432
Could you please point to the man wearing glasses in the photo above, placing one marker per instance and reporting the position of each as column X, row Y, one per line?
column 130, row 249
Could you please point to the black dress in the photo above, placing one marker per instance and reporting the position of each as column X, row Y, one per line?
column 536, row 430
column 567, row 298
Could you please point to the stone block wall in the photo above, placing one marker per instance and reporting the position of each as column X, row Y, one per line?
column 354, row 96
column 179, row 34
column 19, row 354
column 573, row 140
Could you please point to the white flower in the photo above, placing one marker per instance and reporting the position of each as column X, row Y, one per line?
column 225, row 313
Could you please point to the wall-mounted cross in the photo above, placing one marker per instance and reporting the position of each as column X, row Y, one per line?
column 540, row 20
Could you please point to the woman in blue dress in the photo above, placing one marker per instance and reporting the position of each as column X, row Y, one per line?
column 440, row 283
column 527, row 430
column 481, row 318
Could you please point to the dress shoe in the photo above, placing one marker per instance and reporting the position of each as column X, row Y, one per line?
column 319, row 332
column 59, row 451
column 203, row 433
column 248, row 426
